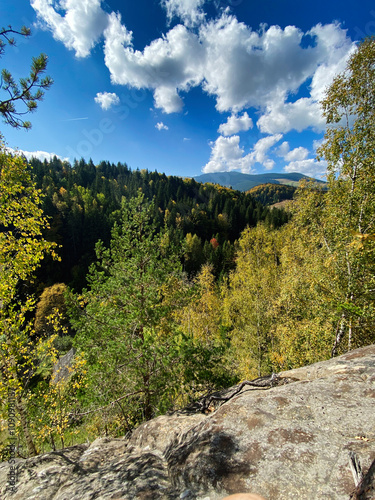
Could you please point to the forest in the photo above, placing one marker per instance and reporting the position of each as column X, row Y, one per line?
column 83, row 202
column 168, row 289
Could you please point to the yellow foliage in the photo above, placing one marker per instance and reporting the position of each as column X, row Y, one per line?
column 202, row 318
column 248, row 302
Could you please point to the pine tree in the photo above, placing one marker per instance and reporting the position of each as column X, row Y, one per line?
column 125, row 326
column 28, row 91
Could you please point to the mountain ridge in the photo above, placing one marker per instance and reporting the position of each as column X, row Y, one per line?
column 244, row 182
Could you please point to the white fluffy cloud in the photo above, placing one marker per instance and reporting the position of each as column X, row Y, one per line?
column 238, row 66
column 299, row 161
column 189, row 11
column 79, row 28
column 333, row 48
column 309, row 167
column 264, row 64
column 227, row 155
column 161, row 126
column 261, row 149
column 241, row 68
column 297, row 154
column 107, row 99
column 168, row 65
column 40, row 155
column 285, row 116
column 235, row 124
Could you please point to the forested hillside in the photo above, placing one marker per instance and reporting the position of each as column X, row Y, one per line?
column 245, row 182
column 268, row 194
column 83, row 201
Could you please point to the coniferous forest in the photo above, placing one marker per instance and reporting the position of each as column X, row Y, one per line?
column 83, row 202
column 167, row 289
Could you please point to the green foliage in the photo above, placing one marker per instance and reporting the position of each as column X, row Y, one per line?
column 29, row 91
column 21, row 222
column 349, row 212
column 252, row 289
column 292, row 291
column 319, row 290
column 126, row 327
column 84, row 201
column 268, row 194
column 21, row 250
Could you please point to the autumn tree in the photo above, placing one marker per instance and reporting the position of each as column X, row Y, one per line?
column 202, row 323
column 22, row 248
column 327, row 260
column 52, row 300
column 28, row 91
column 305, row 309
column 249, row 302
column 348, row 219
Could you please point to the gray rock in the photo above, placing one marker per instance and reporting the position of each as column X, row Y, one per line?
column 287, row 442
column 62, row 368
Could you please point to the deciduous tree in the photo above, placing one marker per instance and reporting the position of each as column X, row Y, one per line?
column 349, row 215
column 22, row 248
column 249, row 303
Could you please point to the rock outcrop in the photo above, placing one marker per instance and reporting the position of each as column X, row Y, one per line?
column 291, row 441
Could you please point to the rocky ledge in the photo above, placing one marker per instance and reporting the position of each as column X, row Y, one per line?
column 291, row 439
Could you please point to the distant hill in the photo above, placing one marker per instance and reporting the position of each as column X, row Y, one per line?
column 244, row 182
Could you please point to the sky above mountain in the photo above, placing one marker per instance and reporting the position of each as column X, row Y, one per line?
column 184, row 86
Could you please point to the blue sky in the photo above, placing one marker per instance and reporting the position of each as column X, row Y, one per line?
column 184, row 86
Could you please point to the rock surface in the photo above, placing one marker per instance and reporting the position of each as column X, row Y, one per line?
column 287, row 442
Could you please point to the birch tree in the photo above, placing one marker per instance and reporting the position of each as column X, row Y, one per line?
column 348, row 220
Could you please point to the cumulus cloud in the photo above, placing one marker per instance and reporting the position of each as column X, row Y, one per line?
column 107, row 99
column 79, row 28
column 297, row 154
column 263, row 63
column 189, row 11
column 283, row 149
column 299, row 161
column 168, row 65
column 238, row 66
column 299, row 115
column 309, row 167
column 241, row 68
column 161, row 126
column 40, row 155
column 261, row 149
column 227, row 155
column 334, row 49
column 235, row 124
column 168, row 100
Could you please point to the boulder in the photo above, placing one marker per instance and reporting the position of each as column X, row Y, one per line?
column 289, row 440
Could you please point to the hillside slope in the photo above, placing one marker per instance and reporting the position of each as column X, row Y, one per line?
column 244, row 182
